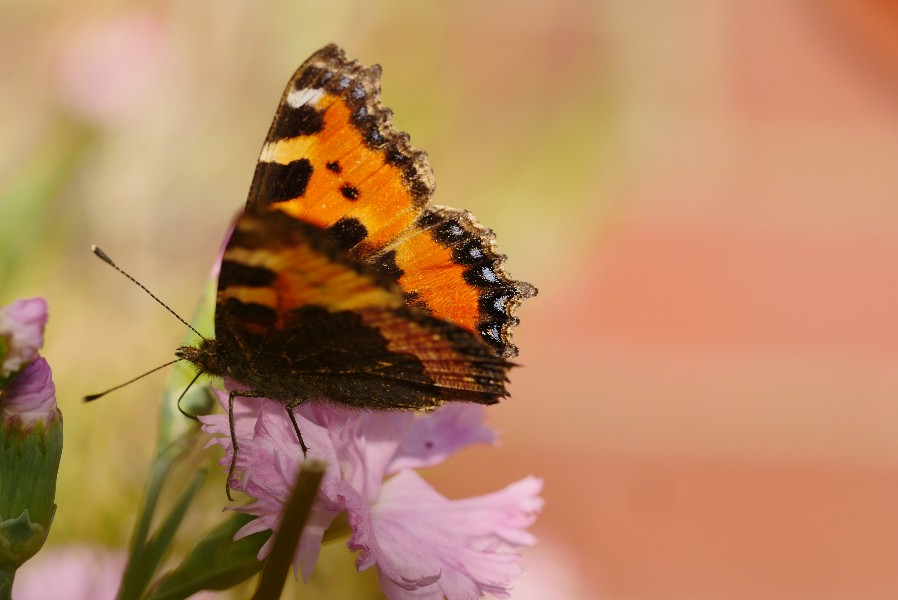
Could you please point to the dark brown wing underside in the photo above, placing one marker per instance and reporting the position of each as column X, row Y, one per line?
column 296, row 319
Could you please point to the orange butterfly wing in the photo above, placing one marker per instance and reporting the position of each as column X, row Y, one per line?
column 332, row 158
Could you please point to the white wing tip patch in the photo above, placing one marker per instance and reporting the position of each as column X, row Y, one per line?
column 297, row 98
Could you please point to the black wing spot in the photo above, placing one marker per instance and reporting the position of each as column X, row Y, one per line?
column 350, row 192
column 497, row 303
column 293, row 122
column 491, row 332
column 280, row 183
column 310, row 77
column 448, row 233
column 482, row 277
column 334, row 166
column 347, row 232
column 470, row 253
column 386, row 264
column 237, row 274
column 251, row 312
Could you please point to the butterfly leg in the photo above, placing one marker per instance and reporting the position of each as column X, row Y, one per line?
column 231, row 396
column 302, row 444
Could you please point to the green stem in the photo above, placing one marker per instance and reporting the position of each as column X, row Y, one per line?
column 296, row 512
column 6, row 577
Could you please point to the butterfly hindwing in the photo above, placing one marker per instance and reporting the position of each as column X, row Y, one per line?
column 333, row 158
column 448, row 266
column 282, row 263
column 310, row 322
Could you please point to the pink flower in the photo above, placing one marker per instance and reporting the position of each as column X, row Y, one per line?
column 107, row 66
column 22, row 329
column 31, row 397
column 422, row 544
column 76, row 572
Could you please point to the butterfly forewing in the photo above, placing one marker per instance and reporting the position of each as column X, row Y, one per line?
column 333, row 158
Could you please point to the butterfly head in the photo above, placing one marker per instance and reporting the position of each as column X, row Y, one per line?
column 205, row 356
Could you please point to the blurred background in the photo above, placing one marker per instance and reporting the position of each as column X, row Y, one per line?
column 704, row 192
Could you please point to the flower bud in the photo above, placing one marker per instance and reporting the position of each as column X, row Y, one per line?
column 30, row 449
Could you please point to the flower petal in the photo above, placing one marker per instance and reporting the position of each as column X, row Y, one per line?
column 31, row 397
column 22, row 324
column 432, row 439
column 417, row 538
column 76, row 572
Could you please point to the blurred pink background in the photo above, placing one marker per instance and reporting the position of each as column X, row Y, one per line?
column 710, row 385
column 706, row 194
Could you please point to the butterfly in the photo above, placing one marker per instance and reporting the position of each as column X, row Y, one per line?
column 341, row 282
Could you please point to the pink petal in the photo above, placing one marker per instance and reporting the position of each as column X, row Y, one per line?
column 417, row 538
column 430, row 440
column 395, row 592
column 31, row 397
column 365, row 447
column 22, row 324
column 75, row 572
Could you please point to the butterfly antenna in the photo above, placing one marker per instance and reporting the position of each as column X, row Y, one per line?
column 93, row 397
column 105, row 258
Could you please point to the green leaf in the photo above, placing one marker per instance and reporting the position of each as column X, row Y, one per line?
column 177, row 436
column 142, row 565
column 20, row 539
column 4, row 350
column 135, row 578
column 216, row 563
